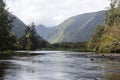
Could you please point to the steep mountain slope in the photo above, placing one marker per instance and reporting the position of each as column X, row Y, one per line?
column 18, row 27
column 77, row 28
column 44, row 31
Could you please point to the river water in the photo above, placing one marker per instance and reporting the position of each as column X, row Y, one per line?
column 58, row 65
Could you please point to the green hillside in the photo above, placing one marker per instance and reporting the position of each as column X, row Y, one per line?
column 75, row 29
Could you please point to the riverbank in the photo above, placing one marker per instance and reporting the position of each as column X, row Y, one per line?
column 91, row 55
column 9, row 54
column 105, row 56
column 68, row 49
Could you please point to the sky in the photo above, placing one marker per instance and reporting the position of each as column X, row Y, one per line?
column 52, row 12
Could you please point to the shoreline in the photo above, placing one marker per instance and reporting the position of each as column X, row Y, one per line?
column 105, row 56
column 92, row 55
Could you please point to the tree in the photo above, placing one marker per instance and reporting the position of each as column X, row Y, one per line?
column 95, row 38
column 7, row 39
column 110, row 41
column 113, row 13
column 25, row 40
column 31, row 40
column 107, row 39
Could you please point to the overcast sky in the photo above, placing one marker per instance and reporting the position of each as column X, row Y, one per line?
column 52, row 12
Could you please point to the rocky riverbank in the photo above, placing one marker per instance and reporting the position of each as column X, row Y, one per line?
column 105, row 56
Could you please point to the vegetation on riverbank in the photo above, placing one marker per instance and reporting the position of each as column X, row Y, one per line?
column 6, row 54
column 9, row 41
column 106, row 38
column 68, row 46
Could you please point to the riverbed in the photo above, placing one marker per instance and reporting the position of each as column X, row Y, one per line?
column 57, row 65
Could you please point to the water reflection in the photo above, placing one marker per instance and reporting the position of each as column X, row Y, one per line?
column 56, row 66
column 3, row 67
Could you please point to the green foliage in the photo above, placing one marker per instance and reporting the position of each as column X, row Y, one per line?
column 94, row 42
column 7, row 39
column 110, row 40
column 31, row 40
column 113, row 13
column 81, row 46
column 107, row 38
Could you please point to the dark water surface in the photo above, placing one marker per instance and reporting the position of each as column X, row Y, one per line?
column 58, row 65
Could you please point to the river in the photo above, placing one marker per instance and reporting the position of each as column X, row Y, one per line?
column 57, row 65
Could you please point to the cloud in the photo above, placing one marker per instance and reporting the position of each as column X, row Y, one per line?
column 52, row 12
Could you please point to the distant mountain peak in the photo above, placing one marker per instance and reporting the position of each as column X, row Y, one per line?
column 41, row 25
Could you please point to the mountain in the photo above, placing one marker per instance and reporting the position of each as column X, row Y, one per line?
column 76, row 29
column 44, row 31
column 18, row 26
column 19, row 29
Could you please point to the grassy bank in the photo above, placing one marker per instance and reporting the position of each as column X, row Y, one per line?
column 7, row 54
